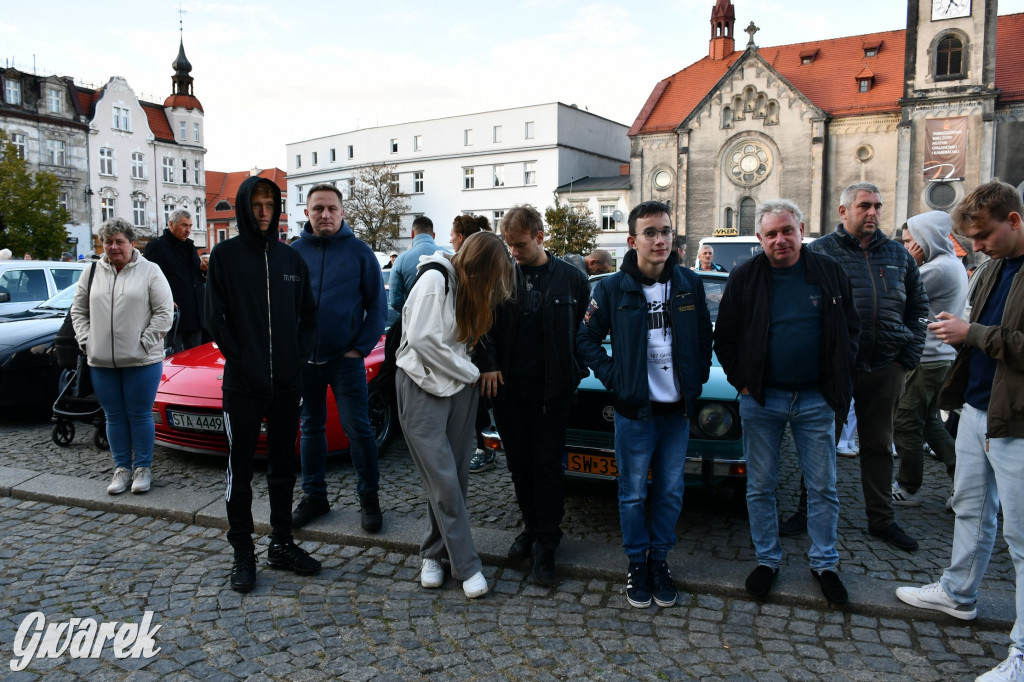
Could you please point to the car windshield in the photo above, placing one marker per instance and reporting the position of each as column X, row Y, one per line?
column 61, row 300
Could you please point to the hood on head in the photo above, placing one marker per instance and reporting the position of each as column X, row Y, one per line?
column 247, row 226
column 931, row 231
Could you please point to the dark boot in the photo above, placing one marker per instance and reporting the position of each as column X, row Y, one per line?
column 309, row 508
column 370, row 516
column 521, row 547
column 543, row 571
column 243, row 571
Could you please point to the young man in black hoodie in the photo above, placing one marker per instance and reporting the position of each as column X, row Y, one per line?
column 260, row 311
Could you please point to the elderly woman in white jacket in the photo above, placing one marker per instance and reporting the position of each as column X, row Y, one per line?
column 445, row 314
column 120, row 322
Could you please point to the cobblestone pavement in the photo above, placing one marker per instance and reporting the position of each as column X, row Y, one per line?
column 713, row 524
column 366, row 618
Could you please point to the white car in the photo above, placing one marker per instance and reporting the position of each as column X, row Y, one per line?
column 24, row 284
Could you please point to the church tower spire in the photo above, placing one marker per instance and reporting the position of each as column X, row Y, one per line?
column 181, row 81
column 723, row 21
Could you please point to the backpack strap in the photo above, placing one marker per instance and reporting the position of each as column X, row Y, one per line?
column 433, row 266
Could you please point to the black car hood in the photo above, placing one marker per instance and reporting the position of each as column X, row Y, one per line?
column 19, row 333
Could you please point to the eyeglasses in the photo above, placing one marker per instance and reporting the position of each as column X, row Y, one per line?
column 650, row 234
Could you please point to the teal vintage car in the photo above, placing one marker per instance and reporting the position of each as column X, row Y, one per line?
column 715, row 452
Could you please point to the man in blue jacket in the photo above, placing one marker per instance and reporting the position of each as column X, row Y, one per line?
column 351, row 310
column 261, row 313
column 403, row 272
column 661, row 356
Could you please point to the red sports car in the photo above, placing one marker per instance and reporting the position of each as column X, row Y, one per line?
column 189, row 416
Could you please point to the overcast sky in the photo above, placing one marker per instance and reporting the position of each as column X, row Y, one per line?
column 269, row 73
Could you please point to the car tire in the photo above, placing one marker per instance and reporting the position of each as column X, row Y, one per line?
column 382, row 413
column 63, row 433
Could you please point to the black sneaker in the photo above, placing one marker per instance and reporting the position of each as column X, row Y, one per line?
column 243, row 571
column 291, row 557
column 638, row 587
column 664, row 588
column 308, row 509
column 370, row 516
column 794, row 525
column 895, row 536
column 543, row 571
column 521, row 547
column 759, row 582
column 832, row 587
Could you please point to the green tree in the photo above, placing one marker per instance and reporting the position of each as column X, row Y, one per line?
column 31, row 219
column 571, row 229
column 375, row 206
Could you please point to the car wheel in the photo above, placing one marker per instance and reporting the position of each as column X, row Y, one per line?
column 382, row 415
column 99, row 438
column 63, row 433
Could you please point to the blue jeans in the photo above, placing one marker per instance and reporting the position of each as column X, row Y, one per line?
column 989, row 472
column 347, row 379
column 812, row 422
column 658, row 443
column 127, row 395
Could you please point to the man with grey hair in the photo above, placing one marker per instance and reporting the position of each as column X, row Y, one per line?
column 176, row 255
column 786, row 336
column 891, row 301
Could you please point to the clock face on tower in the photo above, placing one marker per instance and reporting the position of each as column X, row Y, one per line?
column 950, row 9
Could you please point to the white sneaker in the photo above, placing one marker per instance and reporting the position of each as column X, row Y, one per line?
column 933, row 597
column 431, row 573
column 1010, row 670
column 120, row 481
column 846, row 451
column 142, row 479
column 475, row 586
column 902, row 498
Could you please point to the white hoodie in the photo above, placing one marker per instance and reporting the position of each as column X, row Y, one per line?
column 429, row 353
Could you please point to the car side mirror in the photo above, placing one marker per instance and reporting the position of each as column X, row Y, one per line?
column 5, row 297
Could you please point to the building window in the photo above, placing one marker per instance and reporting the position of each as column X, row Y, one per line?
column 53, row 98
column 394, row 182
column 607, row 216
column 530, row 173
column 18, row 140
column 417, row 182
column 108, row 208
column 139, row 212
column 747, row 207
column 195, row 132
column 529, row 130
column 222, row 205
column 12, row 91
column 64, row 199
column 417, row 143
column 468, row 178
column 394, row 145
column 351, row 151
column 184, row 171
column 749, row 163
column 496, row 217
column 121, row 119
column 198, row 170
column 467, row 136
column 181, row 130
column 222, row 235
column 807, row 59
column 351, row 186
column 138, row 166
column 168, row 210
column 298, row 160
column 332, row 155
column 497, row 133
column 316, row 158
column 949, row 58
column 499, row 176
column 870, row 51
column 168, row 166
column 300, row 198
column 106, row 161
column 55, row 150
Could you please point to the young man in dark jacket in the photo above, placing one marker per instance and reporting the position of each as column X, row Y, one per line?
column 786, row 336
column 351, row 308
column 528, row 365
column 176, row 255
column 661, row 356
column 260, row 311
column 891, row 301
column 987, row 379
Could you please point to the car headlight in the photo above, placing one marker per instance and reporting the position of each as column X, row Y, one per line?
column 715, row 420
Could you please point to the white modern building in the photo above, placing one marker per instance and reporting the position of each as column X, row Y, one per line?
column 481, row 163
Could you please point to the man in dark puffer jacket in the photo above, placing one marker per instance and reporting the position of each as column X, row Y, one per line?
column 890, row 300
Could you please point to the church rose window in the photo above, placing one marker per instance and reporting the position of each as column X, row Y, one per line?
column 749, row 163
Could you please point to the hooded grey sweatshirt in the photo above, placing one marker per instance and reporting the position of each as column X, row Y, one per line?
column 944, row 277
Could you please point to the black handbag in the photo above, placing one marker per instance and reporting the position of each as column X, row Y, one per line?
column 65, row 344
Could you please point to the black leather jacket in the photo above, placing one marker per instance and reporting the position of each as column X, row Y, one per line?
column 565, row 302
column 889, row 296
column 744, row 318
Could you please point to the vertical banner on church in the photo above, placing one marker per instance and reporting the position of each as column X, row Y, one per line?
column 945, row 148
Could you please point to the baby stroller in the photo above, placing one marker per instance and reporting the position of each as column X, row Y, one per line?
column 76, row 400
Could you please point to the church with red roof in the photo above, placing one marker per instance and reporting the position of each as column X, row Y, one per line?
column 925, row 113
